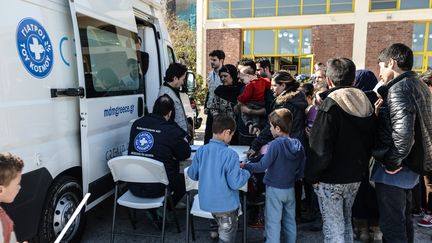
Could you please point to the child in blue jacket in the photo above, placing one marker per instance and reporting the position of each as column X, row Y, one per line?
column 217, row 168
column 284, row 162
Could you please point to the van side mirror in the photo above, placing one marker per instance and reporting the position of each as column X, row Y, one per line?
column 190, row 83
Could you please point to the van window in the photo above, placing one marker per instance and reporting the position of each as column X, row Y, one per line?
column 171, row 55
column 110, row 59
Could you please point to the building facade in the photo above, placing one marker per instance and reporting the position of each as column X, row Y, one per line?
column 295, row 34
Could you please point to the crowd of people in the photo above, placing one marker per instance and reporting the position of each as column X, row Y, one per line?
column 354, row 147
column 344, row 146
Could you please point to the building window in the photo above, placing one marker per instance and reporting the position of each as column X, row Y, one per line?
column 314, row 6
column 289, row 7
column 289, row 41
column 241, row 8
column 264, row 42
column 247, row 42
column 422, row 46
column 287, row 48
column 410, row 4
column 341, row 6
column 399, row 4
column 264, row 8
column 218, row 9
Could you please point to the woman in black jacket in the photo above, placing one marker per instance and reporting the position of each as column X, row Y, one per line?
column 226, row 95
column 285, row 89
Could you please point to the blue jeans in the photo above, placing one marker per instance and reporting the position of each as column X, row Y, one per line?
column 336, row 202
column 280, row 206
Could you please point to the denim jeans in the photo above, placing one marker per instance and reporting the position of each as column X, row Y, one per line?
column 395, row 213
column 280, row 206
column 335, row 201
column 227, row 226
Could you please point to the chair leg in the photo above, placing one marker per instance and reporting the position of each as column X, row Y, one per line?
column 244, row 218
column 114, row 215
column 164, row 214
column 174, row 212
column 132, row 219
column 187, row 217
column 192, row 227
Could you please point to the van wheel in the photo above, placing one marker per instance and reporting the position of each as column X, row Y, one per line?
column 63, row 198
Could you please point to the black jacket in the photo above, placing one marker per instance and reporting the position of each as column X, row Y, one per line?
column 405, row 125
column 341, row 138
column 296, row 103
column 153, row 137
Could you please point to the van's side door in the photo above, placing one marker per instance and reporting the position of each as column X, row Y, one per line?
column 107, row 68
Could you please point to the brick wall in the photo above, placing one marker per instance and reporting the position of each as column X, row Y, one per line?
column 382, row 34
column 332, row 41
column 228, row 40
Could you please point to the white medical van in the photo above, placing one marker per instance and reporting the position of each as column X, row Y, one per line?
column 72, row 79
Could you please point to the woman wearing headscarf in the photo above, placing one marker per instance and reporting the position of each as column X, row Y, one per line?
column 365, row 208
column 226, row 94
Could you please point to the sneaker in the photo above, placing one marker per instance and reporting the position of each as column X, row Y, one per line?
column 418, row 212
column 426, row 221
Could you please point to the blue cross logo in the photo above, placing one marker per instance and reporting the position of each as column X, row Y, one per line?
column 143, row 142
column 34, row 48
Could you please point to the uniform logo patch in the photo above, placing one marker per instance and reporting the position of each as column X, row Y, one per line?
column 144, row 141
column 34, row 48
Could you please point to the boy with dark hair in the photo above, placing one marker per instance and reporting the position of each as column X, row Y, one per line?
column 10, row 178
column 217, row 168
column 341, row 71
column 404, row 139
column 217, row 58
column 341, row 143
column 155, row 136
column 284, row 164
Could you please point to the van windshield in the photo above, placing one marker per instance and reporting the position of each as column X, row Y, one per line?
column 110, row 59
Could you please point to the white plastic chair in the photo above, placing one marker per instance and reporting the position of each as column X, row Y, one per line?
column 140, row 170
column 196, row 211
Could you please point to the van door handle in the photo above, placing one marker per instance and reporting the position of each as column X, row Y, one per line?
column 68, row 92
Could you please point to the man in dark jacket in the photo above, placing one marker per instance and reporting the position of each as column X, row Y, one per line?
column 341, row 142
column 404, row 147
column 155, row 136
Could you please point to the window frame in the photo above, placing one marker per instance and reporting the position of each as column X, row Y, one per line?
column 398, row 7
column 427, row 54
column 328, row 2
column 90, row 90
column 300, row 55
